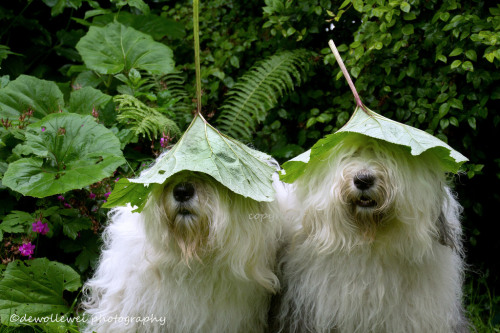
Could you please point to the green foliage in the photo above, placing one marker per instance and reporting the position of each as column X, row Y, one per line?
column 296, row 20
column 413, row 52
column 27, row 93
column 4, row 52
column 15, row 222
column 117, row 48
column 154, row 25
column 85, row 100
column 66, row 156
column 182, row 106
column 259, row 90
column 483, row 307
column 430, row 64
column 20, row 296
column 143, row 120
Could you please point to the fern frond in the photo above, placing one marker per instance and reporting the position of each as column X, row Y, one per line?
column 259, row 90
column 183, row 107
column 142, row 119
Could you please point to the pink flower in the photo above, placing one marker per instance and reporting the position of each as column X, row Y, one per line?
column 106, row 195
column 164, row 140
column 117, row 179
column 40, row 227
column 27, row 249
column 43, row 129
column 67, row 205
column 60, row 198
column 92, row 195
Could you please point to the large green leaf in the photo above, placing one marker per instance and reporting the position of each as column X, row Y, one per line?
column 83, row 100
column 35, row 288
column 116, row 48
column 376, row 126
column 28, row 92
column 71, row 151
column 203, row 149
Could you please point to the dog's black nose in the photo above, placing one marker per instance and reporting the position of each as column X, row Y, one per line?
column 183, row 192
column 363, row 180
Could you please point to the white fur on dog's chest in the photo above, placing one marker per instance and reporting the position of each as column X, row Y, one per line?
column 210, row 295
column 367, row 290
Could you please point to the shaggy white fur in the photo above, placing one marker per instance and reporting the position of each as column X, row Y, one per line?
column 376, row 246
column 199, row 258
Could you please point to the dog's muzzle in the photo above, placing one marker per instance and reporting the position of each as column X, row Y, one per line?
column 363, row 182
column 183, row 193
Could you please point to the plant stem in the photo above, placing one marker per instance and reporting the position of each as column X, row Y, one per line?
column 196, row 33
column 346, row 74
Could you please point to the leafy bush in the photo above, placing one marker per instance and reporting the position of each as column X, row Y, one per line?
column 429, row 64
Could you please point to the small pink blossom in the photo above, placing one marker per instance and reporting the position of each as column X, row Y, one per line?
column 43, row 129
column 164, row 140
column 92, row 195
column 67, row 205
column 27, row 249
column 106, row 195
column 117, row 179
column 60, row 198
column 40, row 227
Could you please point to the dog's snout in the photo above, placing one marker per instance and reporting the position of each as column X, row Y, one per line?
column 364, row 180
column 183, row 192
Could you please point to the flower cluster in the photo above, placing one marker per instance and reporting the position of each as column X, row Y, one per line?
column 40, row 227
column 27, row 249
column 165, row 139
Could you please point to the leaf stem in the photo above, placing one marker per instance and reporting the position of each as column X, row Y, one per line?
column 346, row 75
column 196, row 33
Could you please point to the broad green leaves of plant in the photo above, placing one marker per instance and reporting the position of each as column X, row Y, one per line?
column 29, row 93
column 203, row 149
column 376, row 126
column 15, row 222
column 83, row 100
column 35, row 288
column 70, row 151
column 116, row 48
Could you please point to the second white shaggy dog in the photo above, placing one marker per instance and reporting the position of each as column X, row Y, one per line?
column 198, row 258
column 377, row 246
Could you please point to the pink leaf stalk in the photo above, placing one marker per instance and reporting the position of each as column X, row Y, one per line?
column 346, row 74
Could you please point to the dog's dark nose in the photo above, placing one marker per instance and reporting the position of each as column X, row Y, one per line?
column 183, row 192
column 364, row 180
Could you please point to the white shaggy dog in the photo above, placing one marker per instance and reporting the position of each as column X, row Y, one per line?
column 198, row 258
column 377, row 246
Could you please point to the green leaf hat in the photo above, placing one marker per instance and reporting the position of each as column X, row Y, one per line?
column 369, row 123
column 202, row 148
